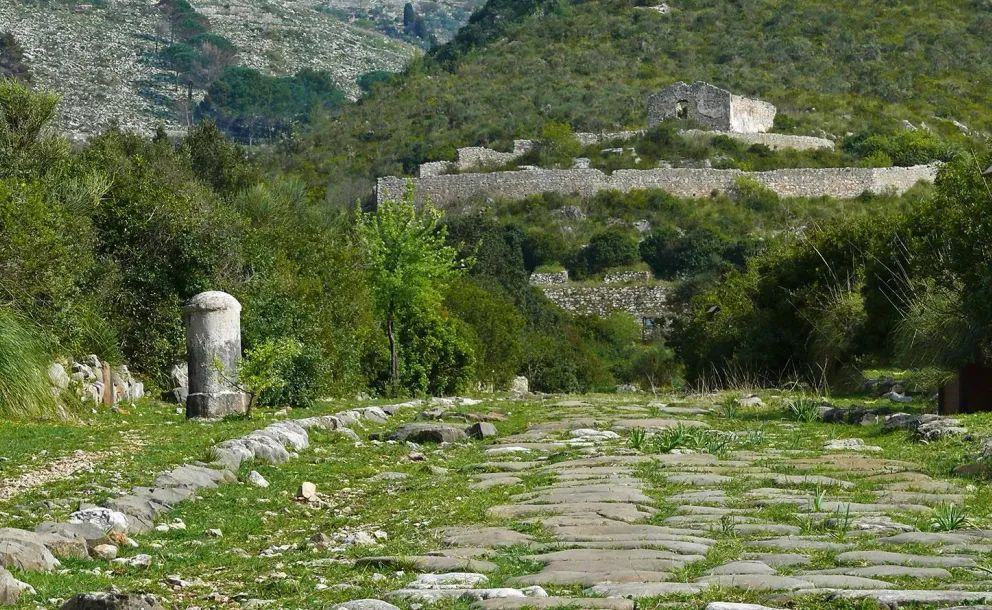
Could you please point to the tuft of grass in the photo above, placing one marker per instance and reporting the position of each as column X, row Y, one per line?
column 25, row 390
column 637, row 438
column 949, row 517
column 804, row 410
column 819, row 495
column 730, row 407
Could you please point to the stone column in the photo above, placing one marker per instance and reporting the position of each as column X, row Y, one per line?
column 213, row 334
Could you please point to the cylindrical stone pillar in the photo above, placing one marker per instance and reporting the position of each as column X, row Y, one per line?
column 213, row 337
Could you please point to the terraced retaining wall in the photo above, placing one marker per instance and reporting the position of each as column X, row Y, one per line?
column 644, row 302
column 841, row 183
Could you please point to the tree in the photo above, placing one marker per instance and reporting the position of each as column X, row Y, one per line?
column 12, row 64
column 410, row 265
column 409, row 17
column 610, row 248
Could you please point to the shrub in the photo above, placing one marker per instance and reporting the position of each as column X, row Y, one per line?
column 611, row 248
column 903, row 147
column 558, row 145
column 497, row 328
column 655, row 366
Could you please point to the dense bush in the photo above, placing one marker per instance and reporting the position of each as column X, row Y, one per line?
column 611, row 248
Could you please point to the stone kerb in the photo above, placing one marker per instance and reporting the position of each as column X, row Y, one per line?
column 213, row 337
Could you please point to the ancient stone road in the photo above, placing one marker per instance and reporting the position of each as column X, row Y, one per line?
column 823, row 522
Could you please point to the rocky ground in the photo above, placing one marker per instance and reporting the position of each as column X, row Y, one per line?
column 603, row 502
column 102, row 57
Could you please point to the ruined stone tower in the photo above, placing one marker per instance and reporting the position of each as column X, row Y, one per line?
column 711, row 108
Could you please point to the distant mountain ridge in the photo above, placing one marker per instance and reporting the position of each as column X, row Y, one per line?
column 103, row 57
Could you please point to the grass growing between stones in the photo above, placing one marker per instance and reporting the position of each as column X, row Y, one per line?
column 276, row 548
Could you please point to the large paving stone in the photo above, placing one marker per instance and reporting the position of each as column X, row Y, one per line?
column 490, row 483
column 647, row 589
column 857, row 507
column 742, row 567
column 542, row 603
column 365, row 604
column 656, row 423
column 899, row 598
column 780, row 559
column 892, row 571
column 698, row 480
column 881, row 557
column 795, row 543
column 617, row 557
column 755, row 582
column 428, row 563
column 843, row 581
column 935, row 538
column 615, row 493
column 428, row 433
column 911, row 497
column 482, row 536
column 617, row 511
column 786, row 480
column 715, row 496
column 560, row 575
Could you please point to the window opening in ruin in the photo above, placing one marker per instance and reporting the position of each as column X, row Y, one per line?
column 682, row 110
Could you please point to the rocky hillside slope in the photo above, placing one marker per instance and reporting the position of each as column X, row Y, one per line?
column 102, row 57
column 830, row 69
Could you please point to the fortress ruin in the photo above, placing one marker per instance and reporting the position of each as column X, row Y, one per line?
column 711, row 108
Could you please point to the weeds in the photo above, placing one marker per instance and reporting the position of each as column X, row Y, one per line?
column 728, row 527
column 804, row 410
column 730, row 408
column 637, row 438
column 949, row 517
column 818, row 497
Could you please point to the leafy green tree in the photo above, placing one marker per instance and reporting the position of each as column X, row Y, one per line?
column 610, row 248
column 409, row 264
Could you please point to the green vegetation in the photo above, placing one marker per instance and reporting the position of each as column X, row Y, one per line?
column 839, row 68
column 410, row 270
column 24, row 384
column 843, row 296
column 12, row 65
column 250, row 106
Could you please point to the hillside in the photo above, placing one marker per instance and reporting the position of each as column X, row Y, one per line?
column 831, row 70
column 103, row 57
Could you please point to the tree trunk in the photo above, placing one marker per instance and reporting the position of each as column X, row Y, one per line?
column 394, row 365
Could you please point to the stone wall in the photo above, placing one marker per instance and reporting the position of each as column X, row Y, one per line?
column 626, row 277
column 711, row 107
column 750, row 116
column 774, row 141
column 841, row 183
column 640, row 301
column 549, row 279
column 478, row 157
